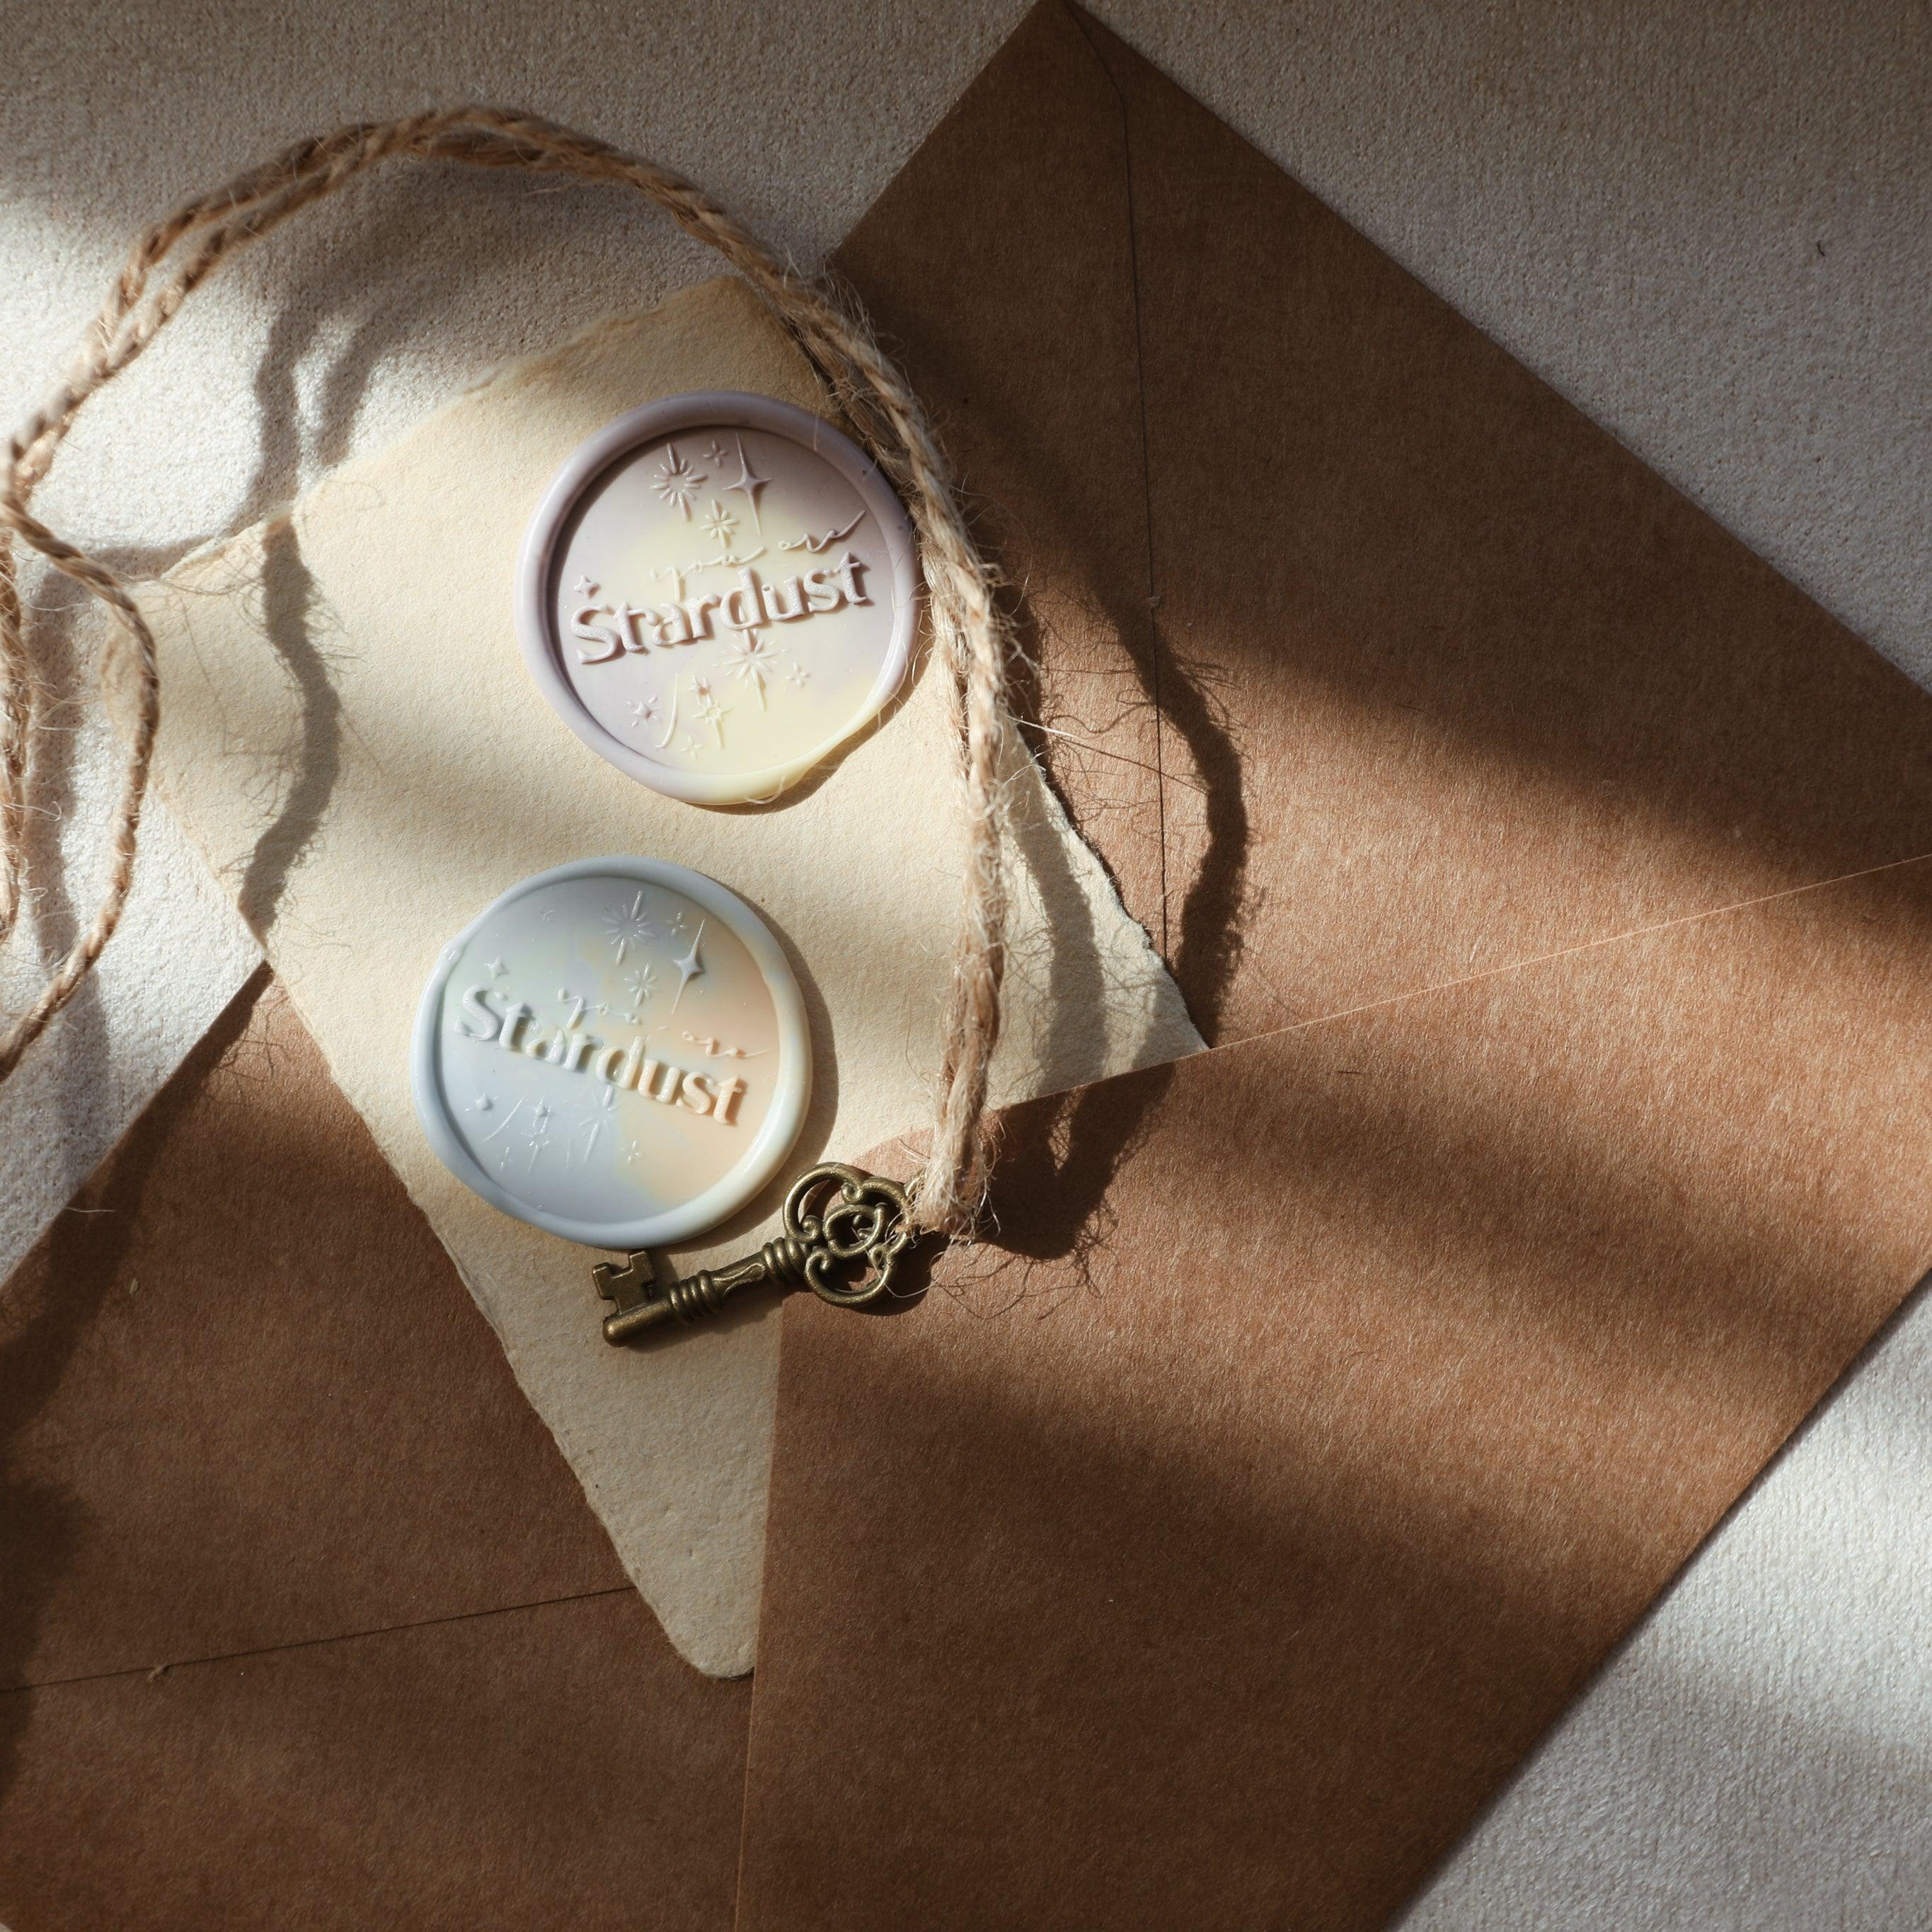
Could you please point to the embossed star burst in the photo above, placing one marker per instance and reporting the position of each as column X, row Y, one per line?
column 718, row 524
column 641, row 982
column 708, row 709
column 628, row 925
column 751, row 658
column 676, row 482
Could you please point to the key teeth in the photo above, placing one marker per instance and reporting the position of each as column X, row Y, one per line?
column 624, row 1285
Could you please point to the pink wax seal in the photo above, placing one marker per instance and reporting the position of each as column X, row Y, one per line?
column 718, row 591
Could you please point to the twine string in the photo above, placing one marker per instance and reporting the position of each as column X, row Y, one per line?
column 176, row 255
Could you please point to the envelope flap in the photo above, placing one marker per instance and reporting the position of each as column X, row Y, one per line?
column 1438, row 676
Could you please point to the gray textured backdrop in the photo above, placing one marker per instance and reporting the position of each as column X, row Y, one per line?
column 1705, row 223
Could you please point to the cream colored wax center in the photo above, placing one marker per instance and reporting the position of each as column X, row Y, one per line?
column 725, row 604
column 606, row 1050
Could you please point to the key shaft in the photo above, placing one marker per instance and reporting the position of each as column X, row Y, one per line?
column 836, row 1218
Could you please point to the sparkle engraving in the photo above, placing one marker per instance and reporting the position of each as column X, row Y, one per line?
column 627, row 1061
column 627, row 924
column 727, row 604
column 749, row 485
column 690, row 966
column 708, row 708
column 676, row 482
column 753, row 659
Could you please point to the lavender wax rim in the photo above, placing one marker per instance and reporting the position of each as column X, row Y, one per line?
column 717, row 592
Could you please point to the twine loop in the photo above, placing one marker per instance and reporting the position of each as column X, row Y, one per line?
column 190, row 243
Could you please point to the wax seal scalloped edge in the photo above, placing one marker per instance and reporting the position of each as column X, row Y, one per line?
column 698, row 409
column 776, row 1134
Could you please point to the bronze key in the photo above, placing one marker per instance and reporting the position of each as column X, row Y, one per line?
column 834, row 1216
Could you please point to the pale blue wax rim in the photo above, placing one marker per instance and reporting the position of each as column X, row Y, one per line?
column 776, row 1133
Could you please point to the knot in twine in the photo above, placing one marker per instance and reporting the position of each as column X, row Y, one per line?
column 193, row 241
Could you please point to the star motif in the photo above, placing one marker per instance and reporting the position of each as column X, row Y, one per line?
column 541, row 1117
column 748, row 485
column 709, row 709
column 752, row 658
column 647, row 710
column 628, row 925
column 676, row 482
column 719, row 524
column 583, row 587
column 495, row 968
column 691, row 965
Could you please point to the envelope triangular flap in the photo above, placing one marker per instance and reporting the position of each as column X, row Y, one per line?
column 1209, row 1545
column 1438, row 675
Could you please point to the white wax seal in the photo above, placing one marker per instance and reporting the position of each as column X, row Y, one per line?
column 716, row 592
column 615, row 1051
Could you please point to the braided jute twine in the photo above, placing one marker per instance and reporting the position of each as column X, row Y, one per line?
column 193, row 241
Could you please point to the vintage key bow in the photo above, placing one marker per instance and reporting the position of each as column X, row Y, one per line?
column 838, row 1221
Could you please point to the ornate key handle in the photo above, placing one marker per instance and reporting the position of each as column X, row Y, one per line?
column 838, row 1220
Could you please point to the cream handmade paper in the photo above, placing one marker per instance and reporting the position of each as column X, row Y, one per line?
column 350, row 734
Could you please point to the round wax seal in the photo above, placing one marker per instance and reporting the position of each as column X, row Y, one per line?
column 615, row 1051
column 718, row 590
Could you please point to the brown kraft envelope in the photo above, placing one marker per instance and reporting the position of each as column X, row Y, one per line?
column 1207, row 1547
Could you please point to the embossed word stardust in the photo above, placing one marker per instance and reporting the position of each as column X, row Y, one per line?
column 749, row 605
column 515, row 1029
